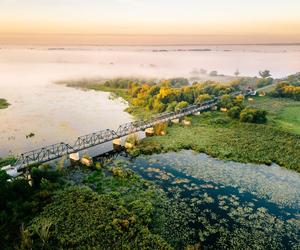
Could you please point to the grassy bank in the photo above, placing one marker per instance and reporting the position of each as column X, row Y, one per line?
column 283, row 113
column 217, row 135
column 3, row 104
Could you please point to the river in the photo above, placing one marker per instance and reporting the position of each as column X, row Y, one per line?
column 54, row 113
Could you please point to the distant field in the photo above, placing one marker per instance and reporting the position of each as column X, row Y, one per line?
column 284, row 113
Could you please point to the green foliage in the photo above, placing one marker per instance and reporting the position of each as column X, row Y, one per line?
column 181, row 105
column 10, row 160
column 265, row 73
column 241, row 142
column 14, row 208
column 146, row 97
column 229, row 101
column 133, row 139
column 160, row 128
column 289, row 119
column 83, row 219
column 25, row 241
column 264, row 82
column 171, row 107
column 234, row 112
column 42, row 229
column 3, row 104
column 252, row 115
column 203, row 98
column 39, row 174
column 287, row 90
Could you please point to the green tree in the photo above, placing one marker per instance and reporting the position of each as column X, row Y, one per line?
column 265, row 73
column 202, row 98
column 181, row 105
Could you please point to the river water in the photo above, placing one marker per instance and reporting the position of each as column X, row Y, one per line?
column 55, row 113
column 228, row 205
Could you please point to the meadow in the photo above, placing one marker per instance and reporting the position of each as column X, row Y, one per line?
column 283, row 113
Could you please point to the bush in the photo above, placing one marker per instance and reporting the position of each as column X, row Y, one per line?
column 234, row 112
column 160, row 128
column 133, row 139
column 252, row 115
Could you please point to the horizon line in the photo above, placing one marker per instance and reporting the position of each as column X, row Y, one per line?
column 162, row 44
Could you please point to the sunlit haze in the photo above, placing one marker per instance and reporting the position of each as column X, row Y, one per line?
column 149, row 21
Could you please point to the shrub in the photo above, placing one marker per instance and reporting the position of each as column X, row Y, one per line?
column 133, row 139
column 160, row 128
column 234, row 112
column 252, row 115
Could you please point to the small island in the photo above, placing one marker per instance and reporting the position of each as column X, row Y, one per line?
column 3, row 103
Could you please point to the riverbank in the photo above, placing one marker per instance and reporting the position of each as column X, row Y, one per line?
column 220, row 137
column 3, row 103
column 215, row 133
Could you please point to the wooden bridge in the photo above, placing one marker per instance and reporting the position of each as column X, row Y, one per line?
column 56, row 151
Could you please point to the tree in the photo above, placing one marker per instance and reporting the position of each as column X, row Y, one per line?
column 158, row 106
column 171, row 107
column 203, row 98
column 181, row 105
column 226, row 101
column 265, row 73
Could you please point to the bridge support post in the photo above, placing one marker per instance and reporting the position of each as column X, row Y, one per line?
column 87, row 161
column 186, row 122
column 117, row 144
column 74, row 158
column 149, row 132
column 175, row 121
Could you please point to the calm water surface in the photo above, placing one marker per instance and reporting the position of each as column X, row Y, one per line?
column 55, row 113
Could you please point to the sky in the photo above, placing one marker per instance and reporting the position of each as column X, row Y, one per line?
column 149, row 21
